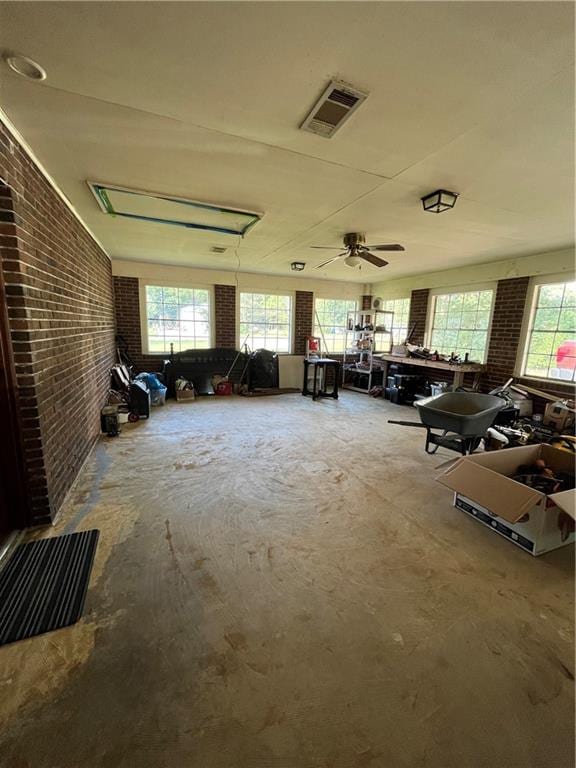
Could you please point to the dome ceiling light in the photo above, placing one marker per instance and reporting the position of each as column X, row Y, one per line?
column 25, row 67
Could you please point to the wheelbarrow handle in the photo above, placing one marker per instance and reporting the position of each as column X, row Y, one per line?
column 408, row 424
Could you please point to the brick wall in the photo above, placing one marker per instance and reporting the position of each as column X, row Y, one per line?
column 303, row 320
column 506, row 337
column 60, row 308
column 225, row 316
column 127, row 305
column 127, row 308
column 418, row 314
column 506, row 327
column 506, row 330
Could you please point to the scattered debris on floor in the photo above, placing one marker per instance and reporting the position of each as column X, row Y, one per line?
column 503, row 419
column 129, row 399
column 263, row 392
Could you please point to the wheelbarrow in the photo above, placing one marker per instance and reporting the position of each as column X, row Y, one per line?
column 463, row 418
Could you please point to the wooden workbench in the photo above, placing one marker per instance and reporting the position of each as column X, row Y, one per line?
column 458, row 370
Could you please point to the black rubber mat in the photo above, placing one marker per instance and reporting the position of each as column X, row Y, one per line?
column 43, row 585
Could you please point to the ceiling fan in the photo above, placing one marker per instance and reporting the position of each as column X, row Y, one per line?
column 355, row 250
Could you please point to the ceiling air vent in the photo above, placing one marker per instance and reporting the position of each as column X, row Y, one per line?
column 333, row 108
column 218, row 249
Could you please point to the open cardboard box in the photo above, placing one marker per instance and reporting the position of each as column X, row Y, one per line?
column 532, row 520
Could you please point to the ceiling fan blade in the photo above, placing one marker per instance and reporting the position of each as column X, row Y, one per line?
column 385, row 247
column 324, row 263
column 326, row 247
column 376, row 260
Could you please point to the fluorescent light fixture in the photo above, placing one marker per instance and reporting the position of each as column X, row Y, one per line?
column 162, row 209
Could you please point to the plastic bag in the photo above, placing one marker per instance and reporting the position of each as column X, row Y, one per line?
column 151, row 380
column 158, row 396
column 155, row 387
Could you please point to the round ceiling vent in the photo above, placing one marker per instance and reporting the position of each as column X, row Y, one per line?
column 24, row 66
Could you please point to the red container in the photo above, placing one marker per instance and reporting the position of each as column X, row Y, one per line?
column 224, row 388
column 313, row 344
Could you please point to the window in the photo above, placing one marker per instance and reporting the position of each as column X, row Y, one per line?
column 551, row 338
column 460, row 323
column 178, row 316
column 330, row 321
column 401, row 309
column 266, row 321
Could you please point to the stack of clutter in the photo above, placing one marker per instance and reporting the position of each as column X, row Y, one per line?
column 438, row 388
column 222, row 385
column 184, row 390
column 516, row 424
column 129, row 399
column 542, row 477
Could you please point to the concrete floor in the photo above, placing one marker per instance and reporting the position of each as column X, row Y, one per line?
column 281, row 584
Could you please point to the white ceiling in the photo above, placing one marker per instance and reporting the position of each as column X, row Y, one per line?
column 204, row 100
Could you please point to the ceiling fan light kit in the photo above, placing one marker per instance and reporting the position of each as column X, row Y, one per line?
column 355, row 251
column 439, row 201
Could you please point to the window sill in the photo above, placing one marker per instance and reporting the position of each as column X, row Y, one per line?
column 205, row 349
column 549, row 382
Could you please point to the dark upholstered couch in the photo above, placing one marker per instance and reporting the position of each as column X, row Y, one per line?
column 200, row 365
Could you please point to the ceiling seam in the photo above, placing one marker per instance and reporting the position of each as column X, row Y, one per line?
column 325, row 219
column 219, row 132
column 375, row 189
column 481, row 123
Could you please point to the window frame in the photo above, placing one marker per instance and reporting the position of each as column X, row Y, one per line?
column 449, row 291
column 292, row 324
column 171, row 284
column 407, row 298
column 530, row 310
column 357, row 302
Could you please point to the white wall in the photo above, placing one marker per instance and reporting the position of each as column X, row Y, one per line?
column 539, row 264
column 247, row 281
